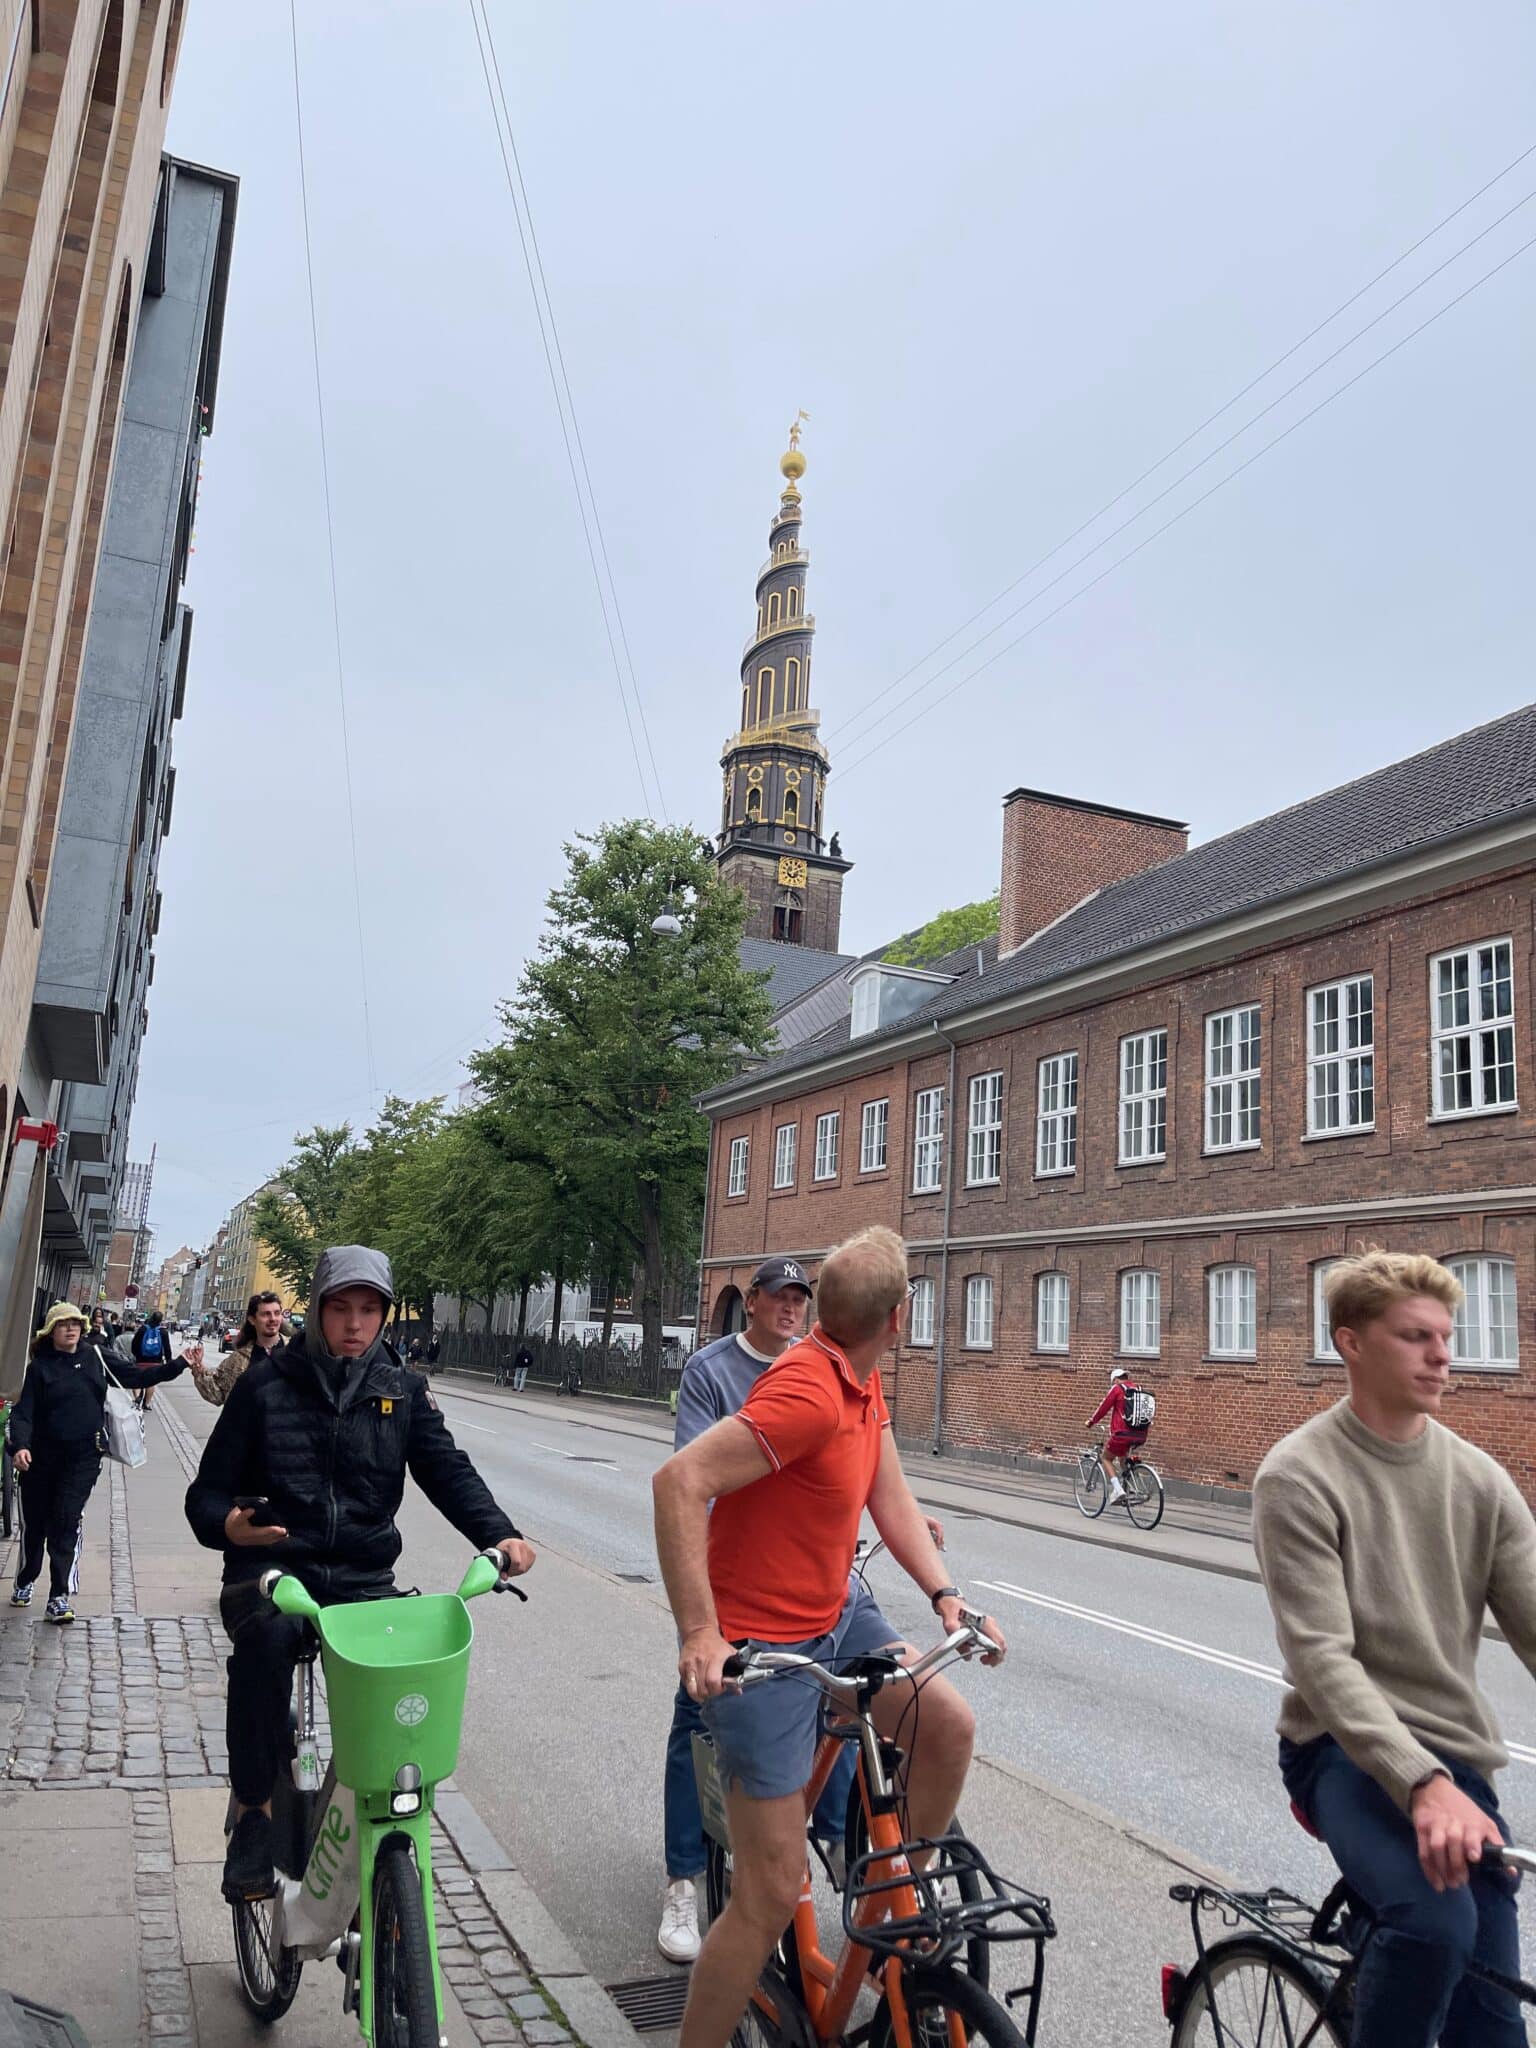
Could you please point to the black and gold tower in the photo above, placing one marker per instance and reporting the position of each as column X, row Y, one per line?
column 772, row 843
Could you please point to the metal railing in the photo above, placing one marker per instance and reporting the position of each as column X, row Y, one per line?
column 614, row 1369
column 802, row 622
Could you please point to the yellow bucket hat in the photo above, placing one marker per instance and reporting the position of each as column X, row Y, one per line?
column 61, row 1312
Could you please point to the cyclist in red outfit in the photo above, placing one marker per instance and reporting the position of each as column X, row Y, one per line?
column 1122, row 1439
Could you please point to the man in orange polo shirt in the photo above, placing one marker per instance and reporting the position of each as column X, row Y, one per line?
column 790, row 1475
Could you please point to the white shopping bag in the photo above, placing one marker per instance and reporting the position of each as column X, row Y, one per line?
column 124, row 1425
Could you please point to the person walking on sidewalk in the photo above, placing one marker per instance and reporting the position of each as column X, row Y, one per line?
column 1383, row 1539
column 56, row 1448
column 1125, row 1435
column 323, row 1434
column 260, row 1338
column 150, row 1345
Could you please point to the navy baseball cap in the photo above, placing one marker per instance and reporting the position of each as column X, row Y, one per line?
column 774, row 1275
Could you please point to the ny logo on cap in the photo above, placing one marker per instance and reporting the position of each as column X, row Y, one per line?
column 792, row 1271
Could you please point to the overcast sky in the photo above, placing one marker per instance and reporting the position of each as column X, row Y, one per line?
column 1006, row 256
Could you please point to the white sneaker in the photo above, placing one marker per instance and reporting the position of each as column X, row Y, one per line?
column 678, row 1935
column 1116, row 1492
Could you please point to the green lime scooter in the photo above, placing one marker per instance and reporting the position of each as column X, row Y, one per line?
column 353, row 1848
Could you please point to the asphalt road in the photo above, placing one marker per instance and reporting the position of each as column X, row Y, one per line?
column 1135, row 1711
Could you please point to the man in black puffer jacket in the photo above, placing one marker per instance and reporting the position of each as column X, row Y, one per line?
column 323, row 1434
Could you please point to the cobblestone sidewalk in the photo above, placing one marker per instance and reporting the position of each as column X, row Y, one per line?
column 114, row 1785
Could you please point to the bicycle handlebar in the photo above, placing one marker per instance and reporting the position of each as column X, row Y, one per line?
column 1507, row 1856
column 755, row 1666
column 469, row 1587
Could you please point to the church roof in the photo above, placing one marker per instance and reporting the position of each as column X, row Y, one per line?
column 1478, row 779
column 792, row 971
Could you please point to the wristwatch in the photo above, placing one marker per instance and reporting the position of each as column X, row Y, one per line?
column 944, row 1593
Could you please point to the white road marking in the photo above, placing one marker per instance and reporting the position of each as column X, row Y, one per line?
column 463, row 1422
column 1227, row 1660
column 574, row 1457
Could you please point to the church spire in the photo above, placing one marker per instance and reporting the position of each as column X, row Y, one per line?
column 772, row 841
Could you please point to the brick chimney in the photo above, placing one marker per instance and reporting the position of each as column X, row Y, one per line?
column 1057, row 850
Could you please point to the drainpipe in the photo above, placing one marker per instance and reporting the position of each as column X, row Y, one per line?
column 937, row 1447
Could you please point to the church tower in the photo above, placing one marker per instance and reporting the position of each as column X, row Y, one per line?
column 772, row 843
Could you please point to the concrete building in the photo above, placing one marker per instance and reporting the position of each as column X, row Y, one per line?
column 170, row 1279
column 242, row 1261
column 1186, row 1082
column 83, row 97
column 91, row 1006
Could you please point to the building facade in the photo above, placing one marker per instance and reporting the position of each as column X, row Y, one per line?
column 82, row 118
column 1141, row 1135
column 241, row 1261
column 772, row 843
column 91, row 1003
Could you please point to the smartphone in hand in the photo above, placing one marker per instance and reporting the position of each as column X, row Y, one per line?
column 257, row 1504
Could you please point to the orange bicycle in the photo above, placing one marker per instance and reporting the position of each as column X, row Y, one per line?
column 921, row 1933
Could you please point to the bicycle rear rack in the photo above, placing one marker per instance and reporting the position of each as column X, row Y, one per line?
column 1325, row 1935
column 942, row 1926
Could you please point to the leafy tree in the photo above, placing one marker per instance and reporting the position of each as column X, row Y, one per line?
column 968, row 925
column 614, row 1032
column 370, row 1213
column 298, row 1218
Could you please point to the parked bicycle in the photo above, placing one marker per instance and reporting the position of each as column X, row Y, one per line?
column 1142, row 1497
column 354, row 1845
column 915, row 1930
column 1284, row 1975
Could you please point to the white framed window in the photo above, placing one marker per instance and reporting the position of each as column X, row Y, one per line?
column 920, row 1314
column 827, row 1127
column 866, row 1006
column 1143, row 1097
column 1053, row 1312
column 736, row 1181
column 1472, row 1021
column 1341, row 1057
column 984, row 1140
column 874, row 1129
column 1056, row 1114
column 1233, row 1062
column 1233, row 1311
column 928, row 1140
column 1141, row 1313
column 785, row 1139
column 978, row 1312
column 1486, row 1332
column 1323, row 1345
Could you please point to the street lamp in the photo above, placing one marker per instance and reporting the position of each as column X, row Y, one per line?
column 666, row 924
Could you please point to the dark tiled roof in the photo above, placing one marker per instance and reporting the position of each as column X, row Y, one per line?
column 1455, row 788
column 793, row 971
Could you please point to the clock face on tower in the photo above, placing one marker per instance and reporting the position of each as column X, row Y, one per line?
column 792, row 873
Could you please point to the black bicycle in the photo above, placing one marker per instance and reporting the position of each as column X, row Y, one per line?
column 1282, row 1974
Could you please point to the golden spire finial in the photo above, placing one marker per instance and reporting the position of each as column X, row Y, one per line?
column 792, row 463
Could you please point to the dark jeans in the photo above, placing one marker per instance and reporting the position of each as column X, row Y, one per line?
column 53, row 1497
column 265, row 1646
column 1412, row 1990
column 684, row 1825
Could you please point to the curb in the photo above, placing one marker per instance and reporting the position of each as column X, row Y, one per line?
column 550, row 1959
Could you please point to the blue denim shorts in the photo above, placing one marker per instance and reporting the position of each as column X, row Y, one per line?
column 765, row 1738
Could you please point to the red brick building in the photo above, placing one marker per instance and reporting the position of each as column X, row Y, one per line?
column 1183, row 1083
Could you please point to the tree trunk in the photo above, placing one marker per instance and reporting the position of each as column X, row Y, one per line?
column 522, row 1308
column 608, row 1314
column 463, row 1312
column 554, row 1309
column 652, row 1277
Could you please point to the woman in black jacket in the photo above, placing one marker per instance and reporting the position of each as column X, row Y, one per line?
column 56, row 1438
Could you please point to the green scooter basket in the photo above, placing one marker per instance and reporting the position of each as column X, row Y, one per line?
column 395, row 1674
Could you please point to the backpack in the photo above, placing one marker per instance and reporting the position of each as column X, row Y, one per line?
column 153, row 1342
column 1140, row 1407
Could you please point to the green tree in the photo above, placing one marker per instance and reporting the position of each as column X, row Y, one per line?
column 615, row 1031
column 369, row 1215
column 298, row 1218
column 967, row 925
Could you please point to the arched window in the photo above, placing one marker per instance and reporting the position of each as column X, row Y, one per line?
column 787, row 915
column 754, row 802
column 792, row 683
column 775, row 603
column 746, row 705
column 764, row 695
column 730, row 1313
column 791, row 807
column 792, row 601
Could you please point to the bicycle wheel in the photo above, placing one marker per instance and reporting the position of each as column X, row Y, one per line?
column 1262, row 1996
column 269, row 1983
column 966, row 1886
column 932, row 1995
column 1143, row 1496
column 1089, row 1490
column 754, row 2029
column 404, row 1995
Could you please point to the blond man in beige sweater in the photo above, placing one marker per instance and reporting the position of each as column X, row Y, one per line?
column 1384, row 1539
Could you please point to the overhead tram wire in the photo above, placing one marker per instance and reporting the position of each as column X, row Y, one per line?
column 565, row 403
column 1194, row 433
column 330, row 544
column 1184, row 511
column 918, row 689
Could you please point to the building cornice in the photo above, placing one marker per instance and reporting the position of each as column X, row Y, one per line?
column 1448, row 863
column 1306, row 1216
